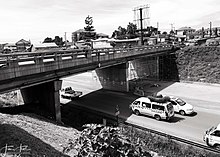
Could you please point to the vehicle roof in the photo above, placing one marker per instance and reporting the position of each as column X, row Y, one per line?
column 145, row 99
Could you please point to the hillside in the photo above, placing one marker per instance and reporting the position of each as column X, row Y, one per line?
column 199, row 63
column 42, row 136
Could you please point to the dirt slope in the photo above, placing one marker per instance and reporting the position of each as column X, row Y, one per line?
column 42, row 136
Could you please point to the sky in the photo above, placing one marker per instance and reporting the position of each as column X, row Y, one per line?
column 35, row 20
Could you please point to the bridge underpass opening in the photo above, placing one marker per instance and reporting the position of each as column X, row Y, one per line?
column 46, row 95
column 86, row 82
column 116, row 78
column 111, row 78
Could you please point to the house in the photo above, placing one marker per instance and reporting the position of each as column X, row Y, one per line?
column 122, row 43
column 161, row 38
column 184, row 33
column 10, row 46
column 44, row 46
column 101, row 35
column 22, row 45
column 81, row 34
column 101, row 43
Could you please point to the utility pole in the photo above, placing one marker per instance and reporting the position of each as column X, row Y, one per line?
column 210, row 23
column 143, row 12
column 65, row 40
column 141, row 22
column 171, row 26
column 157, row 30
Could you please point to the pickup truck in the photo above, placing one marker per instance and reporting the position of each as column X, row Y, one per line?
column 69, row 93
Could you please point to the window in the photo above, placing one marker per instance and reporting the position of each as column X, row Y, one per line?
column 181, row 102
column 144, row 104
column 173, row 102
column 216, row 133
column 136, row 103
column 158, row 107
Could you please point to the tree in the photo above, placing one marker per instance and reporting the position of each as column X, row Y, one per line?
column 97, row 140
column 171, row 32
column 90, row 34
column 120, row 33
column 48, row 40
column 165, row 33
column 203, row 32
column 216, row 31
column 59, row 41
column 115, row 34
column 132, row 30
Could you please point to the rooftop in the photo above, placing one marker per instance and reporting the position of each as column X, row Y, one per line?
column 185, row 28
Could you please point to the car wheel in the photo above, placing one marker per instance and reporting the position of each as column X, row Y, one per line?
column 217, row 146
column 207, row 141
column 157, row 117
column 136, row 112
column 182, row 112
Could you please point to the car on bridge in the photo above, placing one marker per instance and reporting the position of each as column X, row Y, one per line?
column 212, row 137
column 69, row 93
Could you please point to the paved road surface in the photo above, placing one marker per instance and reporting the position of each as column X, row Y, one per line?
column 203, row 97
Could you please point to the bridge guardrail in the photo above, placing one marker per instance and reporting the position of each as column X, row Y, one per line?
column 21, row 64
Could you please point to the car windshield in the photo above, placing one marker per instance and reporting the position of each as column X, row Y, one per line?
column 211, row 129
column 181, row 102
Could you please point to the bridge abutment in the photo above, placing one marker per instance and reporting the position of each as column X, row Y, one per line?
column 46, row 95
column 147, row 67
column 114, row 77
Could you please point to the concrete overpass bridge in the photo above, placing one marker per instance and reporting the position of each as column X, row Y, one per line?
column 37, row 74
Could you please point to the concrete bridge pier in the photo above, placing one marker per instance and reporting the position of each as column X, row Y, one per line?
column 114, row 77
column 46, row 95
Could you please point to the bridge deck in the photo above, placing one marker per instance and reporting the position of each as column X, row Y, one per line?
column 22, row 69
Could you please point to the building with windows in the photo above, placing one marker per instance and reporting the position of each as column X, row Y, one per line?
column 22, row 45
column 185, row 33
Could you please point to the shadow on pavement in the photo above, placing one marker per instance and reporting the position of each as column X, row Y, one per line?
column 192, row 115
column 146, row 87
column 176, row 119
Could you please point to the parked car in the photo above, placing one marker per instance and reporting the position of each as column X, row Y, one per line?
column 147, row 106
column 181, row 106
column 212, row 137
column 69, row 93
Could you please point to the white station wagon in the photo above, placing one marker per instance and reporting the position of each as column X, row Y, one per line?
column 181, row 106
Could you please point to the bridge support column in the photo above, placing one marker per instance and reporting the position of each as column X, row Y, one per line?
column 114, row 77
column 46, row 95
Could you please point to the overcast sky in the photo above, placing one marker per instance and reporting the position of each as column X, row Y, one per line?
column 37, row 19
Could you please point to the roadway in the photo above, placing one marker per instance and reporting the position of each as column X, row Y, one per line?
column 203, row 97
